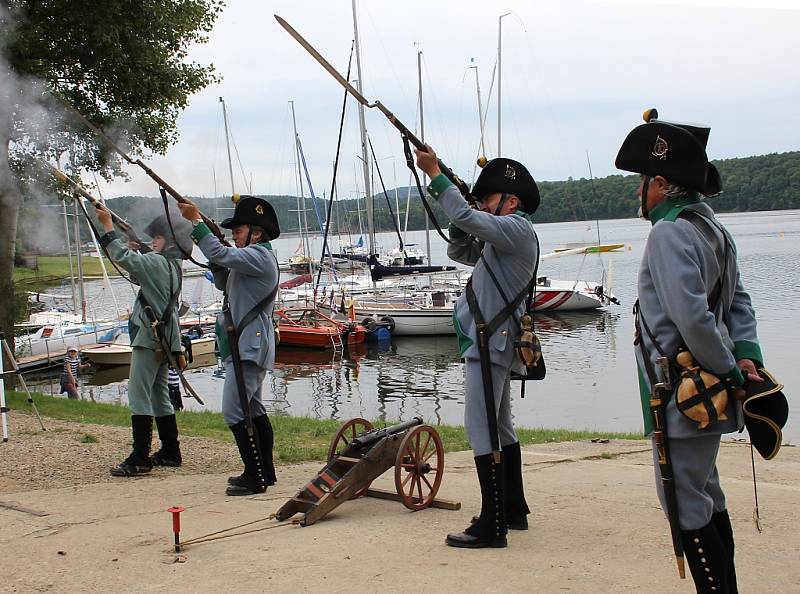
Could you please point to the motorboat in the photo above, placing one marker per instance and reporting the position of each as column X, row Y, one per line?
column 309, row 327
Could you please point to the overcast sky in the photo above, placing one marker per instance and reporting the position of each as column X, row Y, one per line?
column 576, row 75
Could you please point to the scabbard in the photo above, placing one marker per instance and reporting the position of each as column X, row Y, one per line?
column 233, row 344
column 657, row 407
column 488, row 391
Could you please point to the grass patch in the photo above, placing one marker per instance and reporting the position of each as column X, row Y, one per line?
column 297, row 439
column 608, row 456
column 58, row 266
column 88, row 438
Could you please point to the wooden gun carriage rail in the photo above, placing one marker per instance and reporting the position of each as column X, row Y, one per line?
column 359, row 454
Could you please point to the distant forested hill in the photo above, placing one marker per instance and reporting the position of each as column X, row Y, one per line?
column 766, row 182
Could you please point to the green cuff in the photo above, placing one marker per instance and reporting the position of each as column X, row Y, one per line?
column 200, row 231
column 438, row 185
column 734, row 376
column 745, row 349
column 456, row 232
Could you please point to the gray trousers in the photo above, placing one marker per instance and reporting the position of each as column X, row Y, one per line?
column 253, row 380
column 697, row 486
column 475, row 421
column 148, row 393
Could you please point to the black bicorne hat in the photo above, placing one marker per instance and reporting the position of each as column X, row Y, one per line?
column 254, row 211
column 765, row 413
column 508, row 177
column 674, row 151
column 182, row 236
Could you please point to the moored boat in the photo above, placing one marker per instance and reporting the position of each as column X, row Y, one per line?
column 308, row 327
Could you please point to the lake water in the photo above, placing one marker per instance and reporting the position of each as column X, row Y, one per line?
column 591, row 380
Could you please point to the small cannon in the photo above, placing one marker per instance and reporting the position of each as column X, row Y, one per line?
column 359, row 454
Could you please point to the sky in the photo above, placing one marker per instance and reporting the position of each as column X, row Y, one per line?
column 576, row 76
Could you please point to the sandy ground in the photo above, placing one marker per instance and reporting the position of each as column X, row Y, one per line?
column 65, row 526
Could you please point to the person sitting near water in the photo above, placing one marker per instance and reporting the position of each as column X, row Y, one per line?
column 72, row 367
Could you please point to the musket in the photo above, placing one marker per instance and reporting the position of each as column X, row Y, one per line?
column 152, row 174
column 659, row 395
column 123, row 225
column 404, row 131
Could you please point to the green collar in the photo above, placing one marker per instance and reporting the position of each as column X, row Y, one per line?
column 671, row 208
column 522, row 214
column 266, row 244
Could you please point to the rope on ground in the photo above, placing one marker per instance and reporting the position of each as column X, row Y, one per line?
column 220, row 534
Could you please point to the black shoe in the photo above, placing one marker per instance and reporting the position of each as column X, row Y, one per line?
column 170, row 452
column 462, row 540
column 252, row 480
column 489, row 530
column 241, row 479
column 131, row 468
column 707, row 557
column 245, row 486
column 139, row 460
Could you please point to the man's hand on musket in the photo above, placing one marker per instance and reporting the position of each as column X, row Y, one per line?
column 104, row 216
column 189, row 210
column 428, row 161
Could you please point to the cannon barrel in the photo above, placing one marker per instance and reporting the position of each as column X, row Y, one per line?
column 371, row 437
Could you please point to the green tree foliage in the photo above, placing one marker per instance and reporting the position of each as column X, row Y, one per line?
column 120, row 63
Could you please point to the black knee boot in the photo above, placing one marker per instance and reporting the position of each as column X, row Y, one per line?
column 722, row 522
column 138, row 462
column 516, row 507
column 170, row 452
column 252, row 480
column 263, row 428
column 707, row 558
column 490, row 528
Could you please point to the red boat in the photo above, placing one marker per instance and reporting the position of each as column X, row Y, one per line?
column 308, row 327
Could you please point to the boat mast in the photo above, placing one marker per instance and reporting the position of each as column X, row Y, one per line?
column 480, row 110
column 227, row 143
column 499, row 76
column 80, row 263
column 422, row 138
column 363, row 128
column 69, row 258
column 302, row 220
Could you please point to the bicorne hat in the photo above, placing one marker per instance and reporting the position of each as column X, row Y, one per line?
column 674, row 151
column 765, row 413
column 254, row 211
column 182, row 232
column 507, row 176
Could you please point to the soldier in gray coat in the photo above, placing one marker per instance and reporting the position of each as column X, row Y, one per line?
column 158, row 274
column 497, row 239
column 248, row 274
column 691, row 297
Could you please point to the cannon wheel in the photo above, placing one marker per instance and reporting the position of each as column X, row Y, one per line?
column 419, row 467
column 344, row 436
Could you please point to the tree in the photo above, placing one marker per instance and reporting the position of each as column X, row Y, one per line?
column 122, row 64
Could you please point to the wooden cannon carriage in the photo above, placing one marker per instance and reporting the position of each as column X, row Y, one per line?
column 359, row 454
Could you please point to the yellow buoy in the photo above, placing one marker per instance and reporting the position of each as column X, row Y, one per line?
column 650, row 114
column 482, row 161
column 235, row 198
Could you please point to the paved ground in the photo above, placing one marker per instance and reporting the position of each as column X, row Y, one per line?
column 595, row 527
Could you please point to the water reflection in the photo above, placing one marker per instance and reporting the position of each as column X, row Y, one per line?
column 591, row 380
